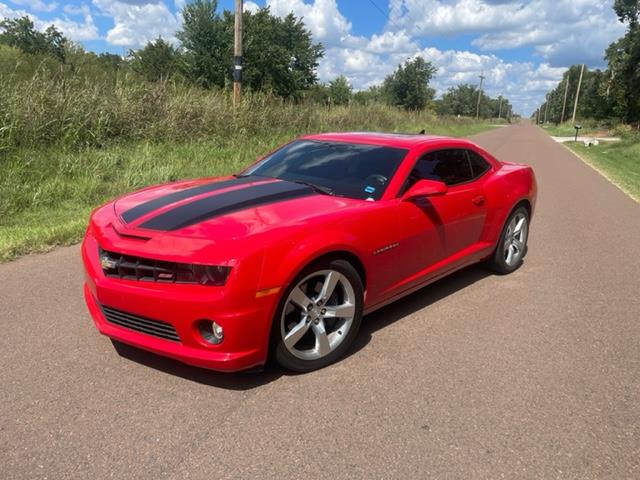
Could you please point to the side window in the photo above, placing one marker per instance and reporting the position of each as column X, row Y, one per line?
column 478, row 164
column 448, row 166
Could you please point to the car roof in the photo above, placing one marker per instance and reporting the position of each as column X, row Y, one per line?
column 399, row 140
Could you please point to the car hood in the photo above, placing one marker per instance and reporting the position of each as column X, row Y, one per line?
column 220, row 209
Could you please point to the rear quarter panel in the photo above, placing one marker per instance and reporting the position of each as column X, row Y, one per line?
column 504, row 188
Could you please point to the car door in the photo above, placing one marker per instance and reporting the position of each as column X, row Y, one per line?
column 438, row 227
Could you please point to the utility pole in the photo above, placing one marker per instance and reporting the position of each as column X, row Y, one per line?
column 575, row 104
column 564, row 102
column 546, row 108
column 237, row 53
column 482, row 77
column 500, row 108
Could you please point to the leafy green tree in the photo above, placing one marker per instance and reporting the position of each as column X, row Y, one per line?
column 340, row 91
column 158, row 60
column 408, row 86
column 459, row 100
column 463, row 100
column 627, row 11
column 623, row 57
column 207, row 46
column 279, row 54
column 373, row 94
column 110, row 61
column 21, row 33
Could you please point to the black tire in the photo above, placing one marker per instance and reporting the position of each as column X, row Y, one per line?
column 281, row 353
column 498, row 262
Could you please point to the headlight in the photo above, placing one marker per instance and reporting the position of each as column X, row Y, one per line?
column 210, row 275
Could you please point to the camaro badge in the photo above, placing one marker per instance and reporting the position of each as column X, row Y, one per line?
column 384, row 249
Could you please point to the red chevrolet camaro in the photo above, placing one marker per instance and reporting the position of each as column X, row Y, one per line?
column 285, row 258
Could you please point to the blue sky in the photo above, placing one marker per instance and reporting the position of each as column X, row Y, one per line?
column 521, row 47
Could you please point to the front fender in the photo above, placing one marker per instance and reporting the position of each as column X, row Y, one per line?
column 285, row 260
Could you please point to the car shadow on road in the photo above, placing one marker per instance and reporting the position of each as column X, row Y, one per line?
column 370, row 324
column 417, row 301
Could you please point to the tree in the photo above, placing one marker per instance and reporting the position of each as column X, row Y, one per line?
column 623, row 57
column 459, row 100
column 207, row 47
column 279, row 54
column 627, row 11
column 158, row 60
column 408, row 86
column 110, row 61
column 373, row 94
column 340, row 91
column 21, row 33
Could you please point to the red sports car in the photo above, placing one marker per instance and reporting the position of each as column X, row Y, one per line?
column 285, row 258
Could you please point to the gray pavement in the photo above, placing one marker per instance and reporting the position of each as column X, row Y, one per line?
column 531, row 375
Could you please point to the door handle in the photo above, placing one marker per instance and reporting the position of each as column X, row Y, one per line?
column 478, row 200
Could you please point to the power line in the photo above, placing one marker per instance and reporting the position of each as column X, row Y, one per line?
column 385, row 14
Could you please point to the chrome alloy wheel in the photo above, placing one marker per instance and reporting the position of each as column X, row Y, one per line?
column 515, row 240
column 318, row 314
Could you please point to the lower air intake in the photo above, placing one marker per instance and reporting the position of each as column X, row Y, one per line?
column 144, row 325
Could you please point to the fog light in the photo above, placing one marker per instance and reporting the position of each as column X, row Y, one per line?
column 211, row 331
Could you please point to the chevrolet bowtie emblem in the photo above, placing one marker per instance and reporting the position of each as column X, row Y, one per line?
column 107, row 263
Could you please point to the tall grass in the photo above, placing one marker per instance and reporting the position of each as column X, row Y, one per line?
column 77, row 112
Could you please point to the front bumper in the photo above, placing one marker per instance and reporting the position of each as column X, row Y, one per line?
column 246, row 320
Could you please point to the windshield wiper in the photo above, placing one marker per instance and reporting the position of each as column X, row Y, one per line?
column 318, row 188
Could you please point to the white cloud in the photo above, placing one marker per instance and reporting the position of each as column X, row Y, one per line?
column 78, row 31
column 138, row 22
column 523, row 83
column 560, row 31
column 321, row 17
column 37, row 5
column 250, row 7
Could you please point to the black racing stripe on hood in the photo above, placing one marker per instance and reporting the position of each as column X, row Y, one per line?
column 224, row 203
column 148, row 207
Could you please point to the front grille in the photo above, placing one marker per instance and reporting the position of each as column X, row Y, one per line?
column 140, row 324
column 130, row 267
column 137, row 268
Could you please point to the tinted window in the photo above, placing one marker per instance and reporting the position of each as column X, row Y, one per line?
column 448, row 166
column 478, row 164
column 349, row 170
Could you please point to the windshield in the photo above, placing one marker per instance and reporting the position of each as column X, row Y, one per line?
column 343, row 169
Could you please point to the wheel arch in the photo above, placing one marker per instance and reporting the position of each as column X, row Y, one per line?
column 340, row 254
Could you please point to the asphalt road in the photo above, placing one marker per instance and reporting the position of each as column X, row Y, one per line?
column 531, row 375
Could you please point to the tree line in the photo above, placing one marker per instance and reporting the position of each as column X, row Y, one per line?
column 609, row 94
column 280, row 57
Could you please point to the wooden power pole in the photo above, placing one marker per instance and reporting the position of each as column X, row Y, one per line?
column 500, row 108
column 482, row 77
column 237, row 52
column 564, row 102
column 575, row 104
column 546, row 108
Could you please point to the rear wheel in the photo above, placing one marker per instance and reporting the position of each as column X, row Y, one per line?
column 319, row 316
column 512, row 246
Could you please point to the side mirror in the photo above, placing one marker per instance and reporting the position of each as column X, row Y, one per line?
column 424, row 188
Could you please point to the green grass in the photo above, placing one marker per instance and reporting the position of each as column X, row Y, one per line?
column 619, row 162
column 566, row 129
column 46, row 193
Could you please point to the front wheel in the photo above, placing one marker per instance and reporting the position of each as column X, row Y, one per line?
column 512, row 245
column 319, row 316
